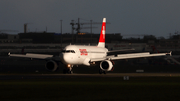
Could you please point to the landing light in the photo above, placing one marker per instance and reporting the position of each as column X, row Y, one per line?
column 68, row 65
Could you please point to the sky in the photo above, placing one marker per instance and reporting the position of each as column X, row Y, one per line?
column 128, row 17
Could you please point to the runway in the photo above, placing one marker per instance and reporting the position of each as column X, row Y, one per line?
column 110, row 75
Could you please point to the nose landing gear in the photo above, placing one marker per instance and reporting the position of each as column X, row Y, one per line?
column 101, row 71
column 68, row 69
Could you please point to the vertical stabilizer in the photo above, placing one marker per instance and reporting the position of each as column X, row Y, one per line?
column 102, row 35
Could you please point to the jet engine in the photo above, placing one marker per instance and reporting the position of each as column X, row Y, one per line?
column 106, row 65
column 51, row 65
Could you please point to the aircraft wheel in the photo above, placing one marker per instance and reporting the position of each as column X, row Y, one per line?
column 100, row 71
column 67, row 71
column 70, row 72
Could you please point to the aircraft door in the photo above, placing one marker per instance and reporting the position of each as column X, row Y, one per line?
column 78, row 56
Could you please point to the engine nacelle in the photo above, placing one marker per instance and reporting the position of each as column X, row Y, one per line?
column 106, row 65
column 51, row 65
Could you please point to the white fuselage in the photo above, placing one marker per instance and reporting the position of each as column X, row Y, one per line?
column 80, row 55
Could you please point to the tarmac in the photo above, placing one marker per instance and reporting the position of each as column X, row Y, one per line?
column 111, row 75
column 18, row 68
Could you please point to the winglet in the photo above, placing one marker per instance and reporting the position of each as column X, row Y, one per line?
column 9, row 53
column 102, row 34
column 170, row 53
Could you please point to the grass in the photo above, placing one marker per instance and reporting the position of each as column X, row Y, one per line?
column 96, row 89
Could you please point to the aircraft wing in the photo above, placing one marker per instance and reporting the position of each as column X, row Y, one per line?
column 130, row 56
column 30, row 55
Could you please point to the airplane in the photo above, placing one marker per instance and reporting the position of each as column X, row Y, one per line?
column 74, row 55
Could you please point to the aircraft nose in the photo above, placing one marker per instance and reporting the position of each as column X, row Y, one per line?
column 65, row 58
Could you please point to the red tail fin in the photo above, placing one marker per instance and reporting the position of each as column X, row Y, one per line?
column 102, row 35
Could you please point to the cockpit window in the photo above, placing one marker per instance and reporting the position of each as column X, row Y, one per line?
column 68, row 51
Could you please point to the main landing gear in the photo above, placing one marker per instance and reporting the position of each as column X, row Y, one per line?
column 101, row 71
column 68, row 69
